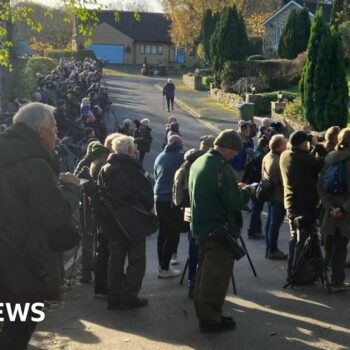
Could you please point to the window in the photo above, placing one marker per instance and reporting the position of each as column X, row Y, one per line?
column 148, row 49
column 160, row 50
column 142, row 49
column 154, row 49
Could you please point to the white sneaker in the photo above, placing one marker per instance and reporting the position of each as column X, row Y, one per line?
column 174, row 260
column 168, row 273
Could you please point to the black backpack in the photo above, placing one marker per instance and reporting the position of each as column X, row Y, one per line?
column 310, row 265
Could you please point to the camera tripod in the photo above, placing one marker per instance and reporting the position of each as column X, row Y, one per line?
column 234, row 288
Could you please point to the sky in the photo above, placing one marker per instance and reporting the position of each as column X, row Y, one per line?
column 154, row 5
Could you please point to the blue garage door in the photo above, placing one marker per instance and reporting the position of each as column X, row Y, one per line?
column 110, row 53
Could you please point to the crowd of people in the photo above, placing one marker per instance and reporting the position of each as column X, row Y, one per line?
column 69, row 128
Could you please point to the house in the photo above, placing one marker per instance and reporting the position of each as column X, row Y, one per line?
column 134, row 41
column 274, row 25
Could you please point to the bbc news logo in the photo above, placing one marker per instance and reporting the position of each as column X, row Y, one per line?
column 20, row 312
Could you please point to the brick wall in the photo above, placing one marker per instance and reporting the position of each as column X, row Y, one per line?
column 192, row 81
column 228, row 99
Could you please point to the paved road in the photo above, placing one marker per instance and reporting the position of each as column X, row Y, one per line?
column 267, row 316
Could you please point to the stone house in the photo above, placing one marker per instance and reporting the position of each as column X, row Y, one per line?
column 134, row 41
column 275, row 24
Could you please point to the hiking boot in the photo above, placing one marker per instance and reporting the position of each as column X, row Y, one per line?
column 132, row 303
column 225, row 324
column 168, row 273
column 257, row 235
column 277, row 255
column 339, row 287
column 174, row 260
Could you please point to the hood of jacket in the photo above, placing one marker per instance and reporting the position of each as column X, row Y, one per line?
column 337, row 156
column 19, row 143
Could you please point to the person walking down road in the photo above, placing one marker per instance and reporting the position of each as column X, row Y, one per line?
column 216, row 204
column 170, row 217
column 126, row 186
column 36, row 206
column 169, row 93
column 335, row 224
column 143, row 139
column 271, row 171
column 300, row 192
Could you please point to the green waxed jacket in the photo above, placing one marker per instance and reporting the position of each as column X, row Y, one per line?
column 212, row 206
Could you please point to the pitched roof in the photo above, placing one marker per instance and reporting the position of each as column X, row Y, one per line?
column 152, row 27
column 310, row 5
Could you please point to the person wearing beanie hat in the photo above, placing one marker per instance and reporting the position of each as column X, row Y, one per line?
column 300, row 169
column 125, row 128
column 170, row 216
column 143, row 139
column 169, row 93
column 216, row 204
column 298, row 138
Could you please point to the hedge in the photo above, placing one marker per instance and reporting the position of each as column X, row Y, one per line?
column 79, row 55
column 263, row 103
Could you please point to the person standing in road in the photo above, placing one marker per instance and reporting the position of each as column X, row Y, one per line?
column 170, row 217
column 271, row 171
column 216, row 204
column 126, row 186
column 143, row 139
column 169, row 93
column 36, row 206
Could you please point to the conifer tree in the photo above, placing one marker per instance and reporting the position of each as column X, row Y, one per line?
column 323, row 85
column 208, row 27
column 295, row 35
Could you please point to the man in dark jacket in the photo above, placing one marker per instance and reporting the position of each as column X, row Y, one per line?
column 170, row 216
column 216, row 203
column 299, row 170
column 35, row 206
column 169, row 93
column 126, row 185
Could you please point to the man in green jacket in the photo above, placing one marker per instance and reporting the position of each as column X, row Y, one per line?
column 216, row 201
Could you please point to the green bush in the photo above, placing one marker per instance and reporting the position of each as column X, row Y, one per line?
column 208, row 80
column 256, row 58
column 42, row 65
column 13, row 82
column 82, row 54
column 294, row 110
column 57, row 54
column 263, row 104
column 255, row 45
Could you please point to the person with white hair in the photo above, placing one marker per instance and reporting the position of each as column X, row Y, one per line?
column 143, row 139
column 37, row 207
column 169, row 93
column 127, row 187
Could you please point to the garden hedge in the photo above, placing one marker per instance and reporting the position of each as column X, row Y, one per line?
column 263, row 104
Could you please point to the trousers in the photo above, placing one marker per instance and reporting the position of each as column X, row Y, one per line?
column 126, row 283
column 215, row 266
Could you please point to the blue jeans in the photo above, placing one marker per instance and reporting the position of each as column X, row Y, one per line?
column 275, row 217
column 192, row 260
column 255, row 218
